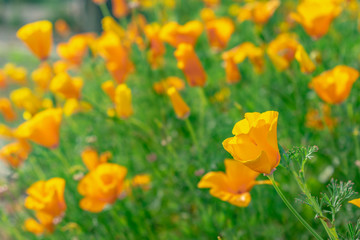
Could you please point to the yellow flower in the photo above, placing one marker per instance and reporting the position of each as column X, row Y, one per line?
column 43, row 128
column 16, row 74
column 92, row 159
column 181, row 109
column 176, row 34
column 76, row 48
column 157, row 48
column 122, row 100
column 356, row 202
column 307, row 66
column 334, row 86
column 316, row 16
column 140, row 180
column 255, row 142
column 6, row 110
column 190, row 64
column 24, row 98
column 73, row 105
column 109, row 88
column 162, row 86
column 66, row 86
column 37, row 36
column 234, row 185
column 282, row 50
column 42, row 76
column 219, row 32
column 102, row 186
column 257, row 11
column 110, row 25
column 15, row 153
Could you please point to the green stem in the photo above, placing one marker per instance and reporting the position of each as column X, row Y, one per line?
column 194, row 139
column 104, row 10
column 292, row 209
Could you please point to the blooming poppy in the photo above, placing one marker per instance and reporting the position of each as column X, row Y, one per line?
column 92, row 160
column 162, row 86
column 119, row 8
column 181, row 109
column 122, row 101
column 190, row 64
column 306, row 64
column 15, row 153
column 42, row 76
column 66, row 86
column 176, row 34
column 219, row 31
column 334, row 86
column 24, row 98
column 255, row 142
column 37, row 36
column 234, row 185
column 157, row 48
column 7, row 110
column 258, row 11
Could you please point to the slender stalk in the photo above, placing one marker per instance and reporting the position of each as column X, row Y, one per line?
column 194, row 139
column 292, row 209
column 104, row 10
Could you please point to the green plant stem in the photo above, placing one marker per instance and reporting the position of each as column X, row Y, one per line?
column 194, row 139
column 292, row 209
column 330, row 231
column 104, row 10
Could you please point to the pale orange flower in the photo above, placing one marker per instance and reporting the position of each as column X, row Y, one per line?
column 255, row 142
column 15, row 153
column 190, row 64
column 176, row 34
column 120, row 8
column 15, row 73
column 181, row 109
column 234, row 185
column 258, row 11
column 25, row 99
column 157, row 48
column 42, row 76
column 306, row 64
column 109, row 88
column 66, row 86
column 38, row 38
column 62, row 28
column 162, row 86
column 219, row 32
column 7, row 110
column 2, row 79
column 43, row 128
column 92, row 160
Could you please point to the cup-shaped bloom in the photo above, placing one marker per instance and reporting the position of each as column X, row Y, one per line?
column 157, row 48
column 47, row 197
column 109, row 24
column 92, row 160
column 42, row 76
column 76, row 48
column 316, row 16
column 15, row 153
column 258, row 11
column 181, row 109
column 43, row 128
column 334, row 86
column 39, row 227
column 15, row 74
column 255, row 142
column 306, row 64
column 190, row 64
column 162, row 86
column 66, row 86
column 219, row 32
column 62, row 28
column 246, row 50
column 175, row 34
column 122, row 101
column 37, row 36
column 116, row 56
column 119, row 8
column 282, row 50
column 24, row 98
column 356, row 202
column 233, row 185
column 102, row 186
column 7, row 110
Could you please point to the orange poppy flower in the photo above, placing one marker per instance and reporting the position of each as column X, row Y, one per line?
column 356, row 202
column 7, row 110
column 182, row 110
column 282, row 50
column 43, row 128
column 15, row 74
column 234, row 185
column 190, row 64
column 2, row 79
column 334, row 86
column 306, row 64
column 162, row 86
column 109, row 88
column 176, row 34
column 66, row 86
column 120, row 8
column 102, row 186
column 157, row 48
column 219, row 32
column 37, row 36
column 62, row 28
column 255, row 142
column 24, row 98
column 15, row 153
column 73, row 105
column 257, row 11
column 42, row 76
column 316, row 16
column 92, row 159
column 232, row 72
column 109, row 24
